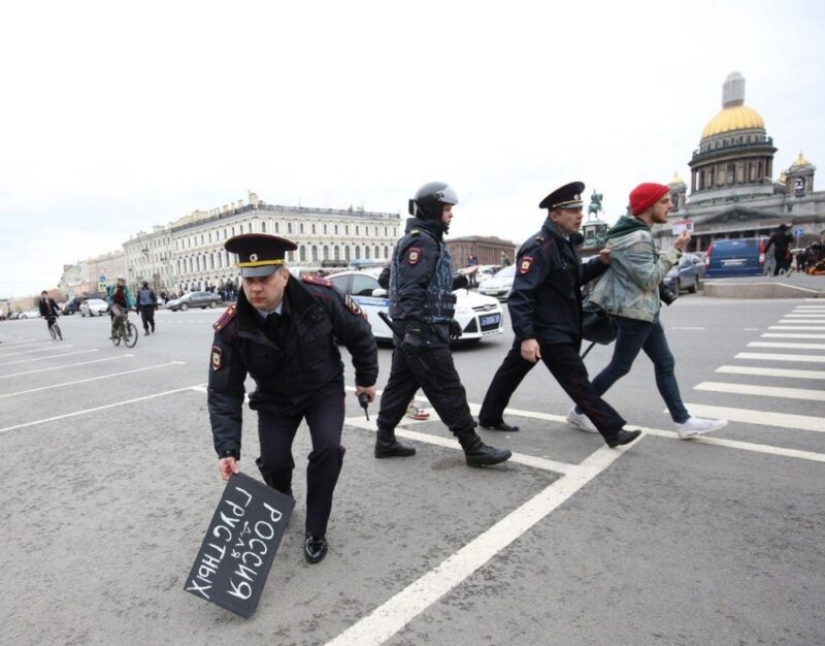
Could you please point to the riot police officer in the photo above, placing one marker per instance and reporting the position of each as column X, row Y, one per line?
column 422, row 308
column 282, row 332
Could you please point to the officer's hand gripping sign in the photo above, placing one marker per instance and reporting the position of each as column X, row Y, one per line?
column 240, row 545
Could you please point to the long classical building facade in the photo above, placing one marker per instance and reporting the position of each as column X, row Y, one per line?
column 189, row 254
column 732, row 193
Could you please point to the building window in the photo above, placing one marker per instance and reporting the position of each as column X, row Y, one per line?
column 301, row 227
column 263, row 227
column 336, row 252
column 346, row 229
column 335, row 228
column 357, row 252
column 325, row 229
column 313, row 228
column 289, row 227
column 303, row 253
column 277, row 227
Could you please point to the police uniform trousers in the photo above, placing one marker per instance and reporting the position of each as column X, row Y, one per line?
column 324, row 414
column 434, row 372
column 565, row 363
column 509, row 375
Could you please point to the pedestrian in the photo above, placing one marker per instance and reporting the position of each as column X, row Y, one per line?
column 120, row 300
column 781, row 241
column 284, row 333
column 422, row 306
column 147, row 303
column 630, row 293
column 472, row 261
column 546, row 311
column 504, row 261
column 801, row 258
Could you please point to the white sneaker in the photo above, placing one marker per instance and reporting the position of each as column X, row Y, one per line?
column 699, row 426
column 581, row 421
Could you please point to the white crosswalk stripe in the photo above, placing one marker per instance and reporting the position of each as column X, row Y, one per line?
column 762, row 391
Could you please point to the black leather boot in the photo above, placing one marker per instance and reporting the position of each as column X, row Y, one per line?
column 386, row 446
column 478, row 454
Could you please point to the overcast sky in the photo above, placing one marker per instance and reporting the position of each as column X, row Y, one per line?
column 116, row 117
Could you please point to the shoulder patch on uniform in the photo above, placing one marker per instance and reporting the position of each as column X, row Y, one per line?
column 226, row 317
column 414, row 232
column 352, row 306
column 216, row 360
column 525, row 264
column 414, row 255
column 317, row 280
column 539, row 238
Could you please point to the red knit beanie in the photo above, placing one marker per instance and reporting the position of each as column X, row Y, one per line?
column 646, row 195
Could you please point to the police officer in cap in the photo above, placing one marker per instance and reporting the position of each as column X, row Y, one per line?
column 422, row 308
column 546, row 310
column 282, row 332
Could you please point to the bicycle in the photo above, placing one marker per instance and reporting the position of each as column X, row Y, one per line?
column 126, row 331
column 54, row 328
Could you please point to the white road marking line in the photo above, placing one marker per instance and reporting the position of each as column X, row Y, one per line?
column 802, row 315
column 390, row 617
column 83, row 381
column 763, row 391
column 49, row 348
column 13, row 345
column 800, row 321
column 789, row 335
column 773, row 372
column 56, row 356
column 762, row 418
column 97, row 408
column 67, row 365
column 677, row 327
column 744, row 446
column 796, row 328
column 766, row 356
column 452, row 443
column 780, row 344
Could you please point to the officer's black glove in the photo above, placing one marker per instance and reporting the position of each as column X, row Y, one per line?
column 455, row 330
column 413, row 341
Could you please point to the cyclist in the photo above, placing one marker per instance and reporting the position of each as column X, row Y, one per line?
column 48, row 310
column 120, row 300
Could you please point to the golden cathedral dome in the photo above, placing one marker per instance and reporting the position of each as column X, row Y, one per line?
column 675, row 179
column 801, row 161
column 737, row 117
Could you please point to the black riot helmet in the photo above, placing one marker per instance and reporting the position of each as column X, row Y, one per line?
column 429, row 200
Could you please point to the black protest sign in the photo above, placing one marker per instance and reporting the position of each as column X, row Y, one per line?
column 240, row 544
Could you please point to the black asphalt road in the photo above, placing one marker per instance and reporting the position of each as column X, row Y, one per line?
column 110, row 480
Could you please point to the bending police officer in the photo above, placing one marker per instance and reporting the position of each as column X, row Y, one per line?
column 422, row 307
column 282, row 332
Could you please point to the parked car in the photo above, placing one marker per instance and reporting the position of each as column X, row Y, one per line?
column 486, row 271
column 195, row 299
column 683, row 275
column 479, row 316
column 736, row 257
column 72, row 305
column 698, row 261
column 500, row 285
column 94, row 307
column 30, row 314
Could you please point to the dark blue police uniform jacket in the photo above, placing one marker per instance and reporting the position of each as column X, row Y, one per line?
column 546, row 301
column 290, row 372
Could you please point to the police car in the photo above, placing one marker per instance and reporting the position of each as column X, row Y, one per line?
column 479, row 316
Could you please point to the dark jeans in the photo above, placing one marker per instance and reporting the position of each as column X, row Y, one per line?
column 147, row 316
column 634, row 336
